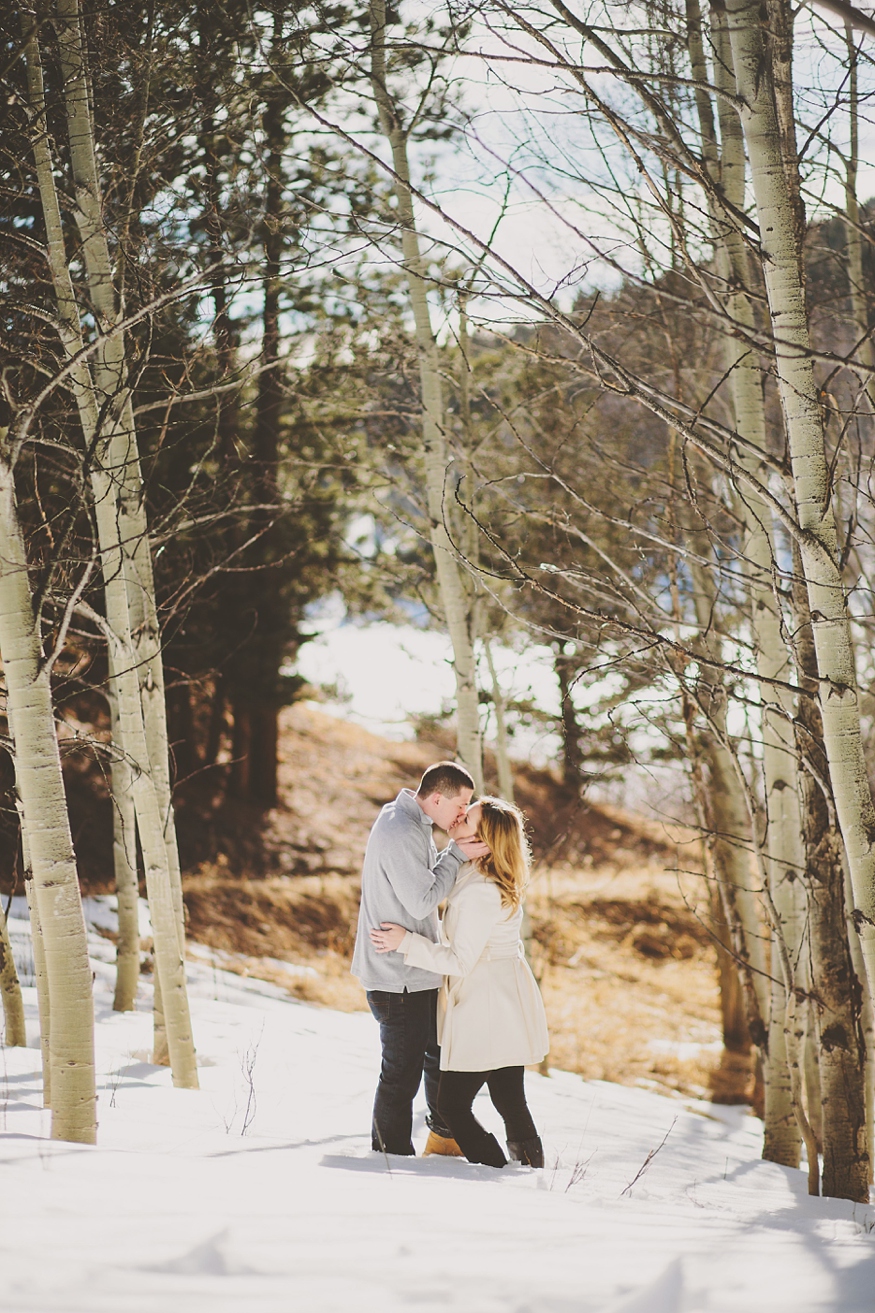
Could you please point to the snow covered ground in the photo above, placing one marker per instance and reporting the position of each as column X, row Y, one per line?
column 259, row 1192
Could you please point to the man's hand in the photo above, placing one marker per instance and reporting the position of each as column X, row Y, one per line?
column 473, row 848
column 388, row 937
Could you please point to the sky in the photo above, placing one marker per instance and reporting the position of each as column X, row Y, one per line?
column 530, row 162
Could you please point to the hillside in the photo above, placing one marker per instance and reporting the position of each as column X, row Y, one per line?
column 621, row 943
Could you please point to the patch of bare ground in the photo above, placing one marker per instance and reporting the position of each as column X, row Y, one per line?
column 621, row 943
column 257, row 925
column 628, row 972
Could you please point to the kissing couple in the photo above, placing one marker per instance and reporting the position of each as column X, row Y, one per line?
column 455, row 999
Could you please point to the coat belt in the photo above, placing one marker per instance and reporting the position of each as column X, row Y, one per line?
column 502, row 954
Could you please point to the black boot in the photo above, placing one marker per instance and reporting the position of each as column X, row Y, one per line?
column 528, row 1152
column 485, row 1150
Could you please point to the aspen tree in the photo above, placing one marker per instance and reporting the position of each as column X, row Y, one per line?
column 124, row 852
column 782, row 840
column 44, row 1007
column 457, row 609
column 105, row 411
column 853, row 235
column 741, row 1015
column 469, row 537
column 835, row 1001
column 836, row 673
column 728, row 819
column 867, row 1016
column 502, row 751
column 731, row 825
column 866, row 352
column 146, row 642
column 572, row 757
column 15, row 1029
column 40, row 787
column 15, row 1032
column 834, row 1030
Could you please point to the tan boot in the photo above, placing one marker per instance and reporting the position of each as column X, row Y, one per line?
column 441, row 1145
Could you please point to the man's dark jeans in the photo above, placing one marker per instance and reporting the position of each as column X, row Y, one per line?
column 408, row 1034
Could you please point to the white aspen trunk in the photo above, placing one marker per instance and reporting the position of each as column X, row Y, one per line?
column 133, row 549
column 812, row 492
column 733, row 825
column 124, row 851
column 502, row 754
column 41, row 979
column 834, row 994
column 782, row 841
column 853, row 236
column 733, row 866
column 107, row 421
column 867, row 1022
column 740, row 1011
column 44, row 1007
column 733, row 996
column 794, row 1031
column 15, row 1031
column 150, row 666
column 505, row 774
column 866, row 353
column 781, row 1138
column 40, row 787
column 160, row 1049
column 437, row 458
column 169, row 959
column 146, row 637
column 811, row 1067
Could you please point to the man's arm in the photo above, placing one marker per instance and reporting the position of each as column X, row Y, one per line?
column 418, row 887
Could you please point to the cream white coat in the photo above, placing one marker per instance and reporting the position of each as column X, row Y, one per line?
column 490, row 1011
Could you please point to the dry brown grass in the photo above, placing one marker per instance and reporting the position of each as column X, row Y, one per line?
column 254, row 924
column 628, row 973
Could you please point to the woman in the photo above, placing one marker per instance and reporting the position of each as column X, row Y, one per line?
column 491, row 1021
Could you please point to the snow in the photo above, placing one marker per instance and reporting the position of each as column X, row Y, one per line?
column 259, row 1192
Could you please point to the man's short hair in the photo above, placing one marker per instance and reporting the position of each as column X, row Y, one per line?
column 445, row 777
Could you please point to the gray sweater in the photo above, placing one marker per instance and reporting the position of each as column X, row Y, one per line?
column 403, row 880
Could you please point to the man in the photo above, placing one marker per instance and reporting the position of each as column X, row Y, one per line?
column 403, row 880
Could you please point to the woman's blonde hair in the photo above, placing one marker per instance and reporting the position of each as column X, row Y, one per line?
column 502, row 827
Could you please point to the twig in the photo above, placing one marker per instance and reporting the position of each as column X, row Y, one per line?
column 248, row 1065
column 647, row 1161
column 579, row 1171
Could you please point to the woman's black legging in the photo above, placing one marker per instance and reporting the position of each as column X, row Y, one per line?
column 456, row 1095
